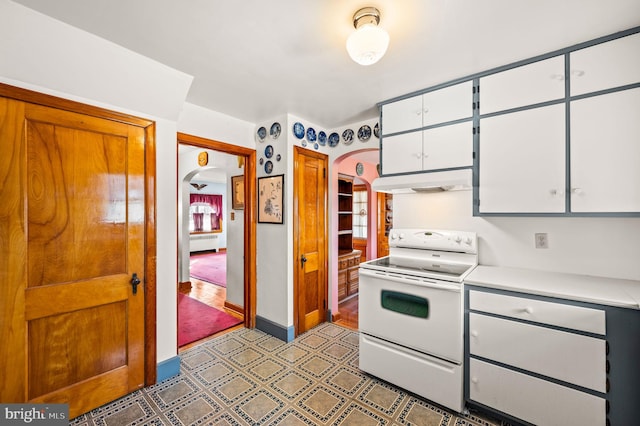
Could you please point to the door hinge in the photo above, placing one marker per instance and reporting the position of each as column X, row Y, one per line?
column 324, row 304
column 324, row 173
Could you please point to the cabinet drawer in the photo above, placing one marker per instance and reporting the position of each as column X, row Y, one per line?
column 343, row 263
column 532, row 399
column 569, row 357
column 568, row 316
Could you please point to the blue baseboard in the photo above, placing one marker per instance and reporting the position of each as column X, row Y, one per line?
column 167, row 368
column 276, row 330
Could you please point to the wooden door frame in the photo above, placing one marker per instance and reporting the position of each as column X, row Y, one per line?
column 29, row 96
column 297, row 150
column 250, row 215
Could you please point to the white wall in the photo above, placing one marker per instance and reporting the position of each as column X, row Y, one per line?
column 36, row 49
column 275, row 266
column 607, row 247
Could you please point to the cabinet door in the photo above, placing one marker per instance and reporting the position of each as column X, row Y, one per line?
column 402, row 153
column 402, row 115
column 525, row 85
column 448, row 146
column 522, row 161
column 603, row 66
column 605, row 150
column 447, row 104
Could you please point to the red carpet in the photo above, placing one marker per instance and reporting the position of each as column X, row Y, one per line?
column 197, row 320
column 209, row 267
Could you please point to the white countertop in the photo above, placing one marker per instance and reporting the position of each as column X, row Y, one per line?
column 583, row 288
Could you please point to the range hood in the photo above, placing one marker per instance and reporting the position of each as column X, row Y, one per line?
column 452, row 180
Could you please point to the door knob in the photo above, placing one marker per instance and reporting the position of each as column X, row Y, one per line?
column 134, row 282
column 303, row 260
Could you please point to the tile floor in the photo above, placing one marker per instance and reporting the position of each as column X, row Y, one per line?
column 247, row 377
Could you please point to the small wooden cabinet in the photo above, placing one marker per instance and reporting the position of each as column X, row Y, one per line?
column 348, row 274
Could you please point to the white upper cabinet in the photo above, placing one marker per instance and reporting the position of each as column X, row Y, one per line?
column 525, row 85
column 605, row 152
column 402, row 153
column 606, row 65
column 448, row 104
column 402, row 115
column 433, row 149
column 439, row 106
column 522, row 161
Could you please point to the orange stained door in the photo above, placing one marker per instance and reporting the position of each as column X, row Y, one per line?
column 72, row 223
column 310, row 239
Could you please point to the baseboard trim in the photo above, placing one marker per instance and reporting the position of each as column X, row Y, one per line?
column 335, row 317
column 276, row 330
column 184, row 286
column 167, row 369
column 233, row 307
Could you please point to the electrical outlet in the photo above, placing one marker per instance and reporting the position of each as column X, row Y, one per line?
column 542, row 241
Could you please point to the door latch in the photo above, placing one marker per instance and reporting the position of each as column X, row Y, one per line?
column 134, row 282
column 303, row 260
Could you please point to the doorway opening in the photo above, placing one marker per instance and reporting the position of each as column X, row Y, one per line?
column 357, row 214
column 216, row 238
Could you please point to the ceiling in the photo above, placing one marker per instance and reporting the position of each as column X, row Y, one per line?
column 256, row 59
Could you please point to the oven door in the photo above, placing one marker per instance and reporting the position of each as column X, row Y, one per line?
column 418, row 313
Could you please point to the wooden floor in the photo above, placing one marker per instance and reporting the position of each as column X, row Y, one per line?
column 348, row 310
column 214, row 296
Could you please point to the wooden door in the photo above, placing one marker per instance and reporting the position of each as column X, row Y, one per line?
column 71, row 235
column 310, row 239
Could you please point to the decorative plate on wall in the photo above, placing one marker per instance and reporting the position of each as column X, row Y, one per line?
column 268, row 167
column 311, row 134
column 364, row 133
column 359, row 169
column 268, row 151
column 334, row 139
column 347, row 137
column 322, row 138
column 298, row 130
column 261, row 133
column 376, row 130
column 275, row 130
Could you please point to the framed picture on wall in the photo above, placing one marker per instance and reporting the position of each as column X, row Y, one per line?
column 237, row 192
column 271, row 199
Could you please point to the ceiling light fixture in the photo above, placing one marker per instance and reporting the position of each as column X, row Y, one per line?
column 369, row 42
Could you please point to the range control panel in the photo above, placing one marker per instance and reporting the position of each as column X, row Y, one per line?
column 430, row 239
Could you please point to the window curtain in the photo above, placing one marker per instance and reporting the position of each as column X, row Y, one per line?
column 198, row 221
column 213, row 200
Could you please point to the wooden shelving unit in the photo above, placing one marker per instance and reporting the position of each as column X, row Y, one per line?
column 345, row 214
column 385, row 222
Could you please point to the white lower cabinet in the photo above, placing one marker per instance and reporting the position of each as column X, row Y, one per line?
column 532, row 399
column 535, row 360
